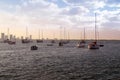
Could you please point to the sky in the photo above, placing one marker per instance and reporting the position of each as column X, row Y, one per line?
column 56, row 17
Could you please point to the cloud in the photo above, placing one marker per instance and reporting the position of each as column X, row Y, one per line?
column 47, row 13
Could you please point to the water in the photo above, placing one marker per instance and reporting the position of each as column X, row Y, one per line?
column 18, row 62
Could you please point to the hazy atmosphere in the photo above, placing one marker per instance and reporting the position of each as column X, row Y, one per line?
column 51, row 16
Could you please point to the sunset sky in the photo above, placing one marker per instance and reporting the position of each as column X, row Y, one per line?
column 53, row 16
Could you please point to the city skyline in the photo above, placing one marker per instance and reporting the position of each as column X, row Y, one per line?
column 51, row 16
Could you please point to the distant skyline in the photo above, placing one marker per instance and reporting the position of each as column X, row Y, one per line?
column 51, row 16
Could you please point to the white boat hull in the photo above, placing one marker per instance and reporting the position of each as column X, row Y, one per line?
column 80, row 45
column 93, row 46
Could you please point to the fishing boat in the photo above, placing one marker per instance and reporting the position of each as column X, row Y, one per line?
column 94, row 44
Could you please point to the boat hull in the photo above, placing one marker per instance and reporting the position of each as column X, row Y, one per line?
column 93, row 46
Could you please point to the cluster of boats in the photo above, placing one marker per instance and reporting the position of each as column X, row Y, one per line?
column 81, row 44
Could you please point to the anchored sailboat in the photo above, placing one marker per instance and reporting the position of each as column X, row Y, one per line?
column 81, row 44
column 94, row 44
column 8, row 40
column 60, row 41
column 26, row 40
column 40, row 40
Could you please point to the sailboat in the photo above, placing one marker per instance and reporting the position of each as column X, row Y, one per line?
column 53, row 40
column 100, row 44
column 40, row 40
column 81, row 44
column 9, row 41
column 26, row 40
column 94, row 44
column 60, row 43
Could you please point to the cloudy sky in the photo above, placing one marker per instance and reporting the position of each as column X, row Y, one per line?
column 53, row 16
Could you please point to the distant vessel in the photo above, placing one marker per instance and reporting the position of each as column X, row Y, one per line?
column 49, row 44
column 81, row 44
column 10, row 42
column 94, row 44
column 65, row 41
column 100, row 44
column 34, row 47
column 60, row 43
column 40, row 40
column 26, row 40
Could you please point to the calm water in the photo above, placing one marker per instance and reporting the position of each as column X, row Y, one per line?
column 18, row 62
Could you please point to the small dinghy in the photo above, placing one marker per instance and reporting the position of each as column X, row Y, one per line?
column 34, row 47
column 101, row 45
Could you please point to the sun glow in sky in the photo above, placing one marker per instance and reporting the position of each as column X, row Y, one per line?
column 52, row 16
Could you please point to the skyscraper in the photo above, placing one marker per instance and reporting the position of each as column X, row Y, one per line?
column 2, row 36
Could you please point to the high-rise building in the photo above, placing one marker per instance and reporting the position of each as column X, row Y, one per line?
column 11, row 36
column 2, row 36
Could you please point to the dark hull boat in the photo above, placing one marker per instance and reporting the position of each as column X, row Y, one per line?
column 60, row 43
column 53, row 41
column 12, row 42
column 101, row 45
column 25, row 41
column 6, row 41
column 9, row 42
column 50, row 44
column 34, row 47
column 39, row 41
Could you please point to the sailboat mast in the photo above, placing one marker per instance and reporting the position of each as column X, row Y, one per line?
column 26, row 32
column 64, row 33
column 68, row 36
column 60, row 33
column 42, row 34
column 8, row 33
column 95, row 28
column 84, row 33
column 39, row 33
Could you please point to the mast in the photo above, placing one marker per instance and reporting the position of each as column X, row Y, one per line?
column 39, row 33
column 95, row 28
column 68, row 36
column 26, row 32
column 42, row 34
column 60, row 33
column 84, row 33
column 8, row 33
column 64, row 33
